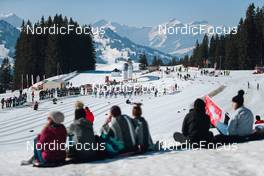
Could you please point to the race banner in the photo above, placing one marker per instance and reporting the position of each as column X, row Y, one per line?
column 213, row 110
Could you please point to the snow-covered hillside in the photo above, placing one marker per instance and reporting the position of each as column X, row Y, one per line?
column 12, row 19
column 164, row 115
column 110, row 47
column 8, row 38
column 175, row 44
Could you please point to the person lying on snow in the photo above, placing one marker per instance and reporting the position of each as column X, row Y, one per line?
column 240, row 123
column 81, row 137
column 196, row 125
column 143, row 137
column 118, row 133
column 259, row 124
column 259, row 120
column 53, row 132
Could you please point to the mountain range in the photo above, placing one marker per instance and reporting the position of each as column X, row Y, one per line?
column 175, row 44
column 119, row 41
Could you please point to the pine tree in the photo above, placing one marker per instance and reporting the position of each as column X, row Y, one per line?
column 46, row 54
column 211, row 52
column 6, row 75
column 173, row 61
column 143, row 61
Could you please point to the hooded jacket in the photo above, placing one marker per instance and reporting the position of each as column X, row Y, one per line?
column 143, row 137
column 55, row 134
column 241, row 122
column 83, row 134
column 121, row 129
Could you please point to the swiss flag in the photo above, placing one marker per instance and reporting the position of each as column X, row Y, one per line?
column 213, row 110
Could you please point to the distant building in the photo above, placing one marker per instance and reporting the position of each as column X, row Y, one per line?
column 54, row 84
column 125, row 71
column 259, row 70
column 116, row 73
column 130, row 70
column 153, row 68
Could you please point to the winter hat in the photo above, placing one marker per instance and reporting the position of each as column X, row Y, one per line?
column 199, row 105
column 115, row 111
column 57, row 117
column 79, row 105
column 239, row 98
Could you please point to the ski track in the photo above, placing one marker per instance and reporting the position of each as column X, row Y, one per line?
column 164, row 115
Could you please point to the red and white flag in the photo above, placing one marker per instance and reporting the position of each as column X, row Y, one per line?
column 213, row 110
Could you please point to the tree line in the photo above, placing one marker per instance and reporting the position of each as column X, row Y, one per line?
column 48, row 54
column 5, row 75
column 243, row 50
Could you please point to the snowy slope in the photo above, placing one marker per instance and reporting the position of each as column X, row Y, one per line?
column 174, row 44
column 8, row 38
column 12, row 19
column 164, row 115
column 110, row 47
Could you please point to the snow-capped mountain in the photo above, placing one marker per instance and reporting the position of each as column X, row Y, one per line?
column 167, row 41
column 8, row 38
column 12, row 19
column 110, row 47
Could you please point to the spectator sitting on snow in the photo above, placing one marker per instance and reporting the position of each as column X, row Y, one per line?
column 259, row 124
column 241, row 124
column 118, row 133
column 143, row 137
column 3, row 102
column 81, row 134
column 258, row 120
column 79, row 111
column 54, row 130
column 196, row 124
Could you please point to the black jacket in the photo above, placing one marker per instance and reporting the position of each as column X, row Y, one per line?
column 79, row 113
column 196, row 126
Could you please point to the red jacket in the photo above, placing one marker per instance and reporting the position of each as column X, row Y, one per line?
column 259, row 122
column 53, row 135
column 89, row 116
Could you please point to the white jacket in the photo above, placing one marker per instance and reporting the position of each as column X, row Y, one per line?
column 241, row 123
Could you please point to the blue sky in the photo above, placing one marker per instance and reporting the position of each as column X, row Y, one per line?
column 133, row 12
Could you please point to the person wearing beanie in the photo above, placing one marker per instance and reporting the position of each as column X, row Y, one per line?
column 81, row 134
column 143, row 137
column 79, row 110
column 196, row 124
column 53, row 134
column 79, row 105
column 241, row 121
column 118, row 132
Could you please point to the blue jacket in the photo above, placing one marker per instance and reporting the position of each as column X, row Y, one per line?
column 241, row 123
